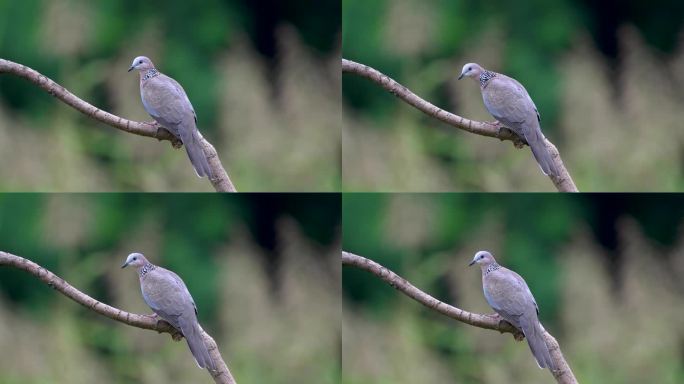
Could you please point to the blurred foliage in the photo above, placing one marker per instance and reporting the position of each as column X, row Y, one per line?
column 262, row 269
column 263, row 77
column 604, row 269
column 605, row 77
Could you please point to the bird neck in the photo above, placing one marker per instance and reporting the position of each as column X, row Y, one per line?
column 489, row 268
column 485, row 76
column 142, row 271
column 152, row 72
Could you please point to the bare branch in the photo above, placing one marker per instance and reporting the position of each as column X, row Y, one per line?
column 220, row 181
column 222, row 375
column 563, row 374
column 563, row 182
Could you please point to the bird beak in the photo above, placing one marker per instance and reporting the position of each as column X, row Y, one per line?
column 471, row 263
column 460, row 77
column 124, row 264
column 131, row 68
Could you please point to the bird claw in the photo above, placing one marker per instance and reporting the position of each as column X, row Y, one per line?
column 517, row 335
column 496, row 317
column 156, row 318
column 518, row 141
column 177, row 336
column 175, row 141
column 499, row 128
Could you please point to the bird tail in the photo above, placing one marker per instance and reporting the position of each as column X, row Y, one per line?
column 193, row 335
column 542, row 154
column 197, row 156
column 535, row 339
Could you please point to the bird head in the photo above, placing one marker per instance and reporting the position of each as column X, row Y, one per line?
column 482, row 258
column 134, row 259
column 141, row 63
column 471, row 70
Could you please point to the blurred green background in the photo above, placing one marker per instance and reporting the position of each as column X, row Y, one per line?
column 262, row 75
column 263, row 270
column 606, row 76
column 605, row 271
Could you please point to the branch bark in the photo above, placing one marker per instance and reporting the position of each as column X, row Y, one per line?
column 221, row 376
column 563, row 182
column 220, row 181
column 562, row 375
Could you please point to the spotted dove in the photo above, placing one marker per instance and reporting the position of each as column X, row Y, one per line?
column 169, row 298
column 508, row 101
column 508, row 294
column 165, row 100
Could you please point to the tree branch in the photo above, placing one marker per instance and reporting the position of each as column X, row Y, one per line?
column 221, row 376
column 563, row 374
column 220, row 181
column 563, row 182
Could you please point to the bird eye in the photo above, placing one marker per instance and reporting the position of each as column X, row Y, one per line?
column 135, row 258
column 140, row 62
column 469, row 68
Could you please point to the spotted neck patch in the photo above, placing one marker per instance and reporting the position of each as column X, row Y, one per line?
column 146, row 268
column 152, row 73
column 491, row 268
column 485, row 77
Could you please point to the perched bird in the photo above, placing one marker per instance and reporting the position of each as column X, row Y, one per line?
column 508, row 294
column 165, row 100
column 169, row 298
column 508, row 101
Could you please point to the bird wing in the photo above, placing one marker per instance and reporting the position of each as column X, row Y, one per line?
column 184, row 289
column 508, row 295
column 165, row 101
column 508, row 101
column 163, row 293
column 527, row 294
column 181, row 93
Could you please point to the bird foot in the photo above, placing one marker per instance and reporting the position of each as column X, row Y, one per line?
column 502, row 130
column 177, row 336
column 163, row 133
column 157, row 319
column 517, row 334
column 518, row 143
